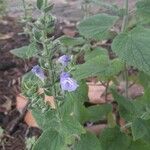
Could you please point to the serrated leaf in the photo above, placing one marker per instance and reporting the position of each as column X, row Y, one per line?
column 25, row 52
column 71, row 126
column 88, row 141
column 113, row 68
column 50, row 140
column 71, row 42
column 48, row 8
column 138, row 128
column 94, row 53
column 81, row 94
column 45, row 119
column 98, row 66
column 133, row 47
column 141, row 129
column 143, row 11
column 30, row 83
column 113, row 139
column 144, row 79
column 39, row 3
column 139, row 145
column 99, row 112
column 90, row 68
column 127, row 109
column 142, row 105
column 97, row 26
column 112, row 8
column 74, row 108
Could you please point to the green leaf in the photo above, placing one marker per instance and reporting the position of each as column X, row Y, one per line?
column 133, row 48
column 144, row 79
column 40, row 4
column 113, row 68
column 50, row 140
column 45, row 119
column 139, row 145
column 97, row 26
column 142, row 105
column 90, row 68
column 127, row 109
column 88, row 141
column 25, row 52
column 113, row 139
column 30, row 83
column 75, row 108
column 99, row 112
column 81, row 94
column 70, row 126
column 48, row 8
column 71, row 42
column 94, row 53
column 98, row 66
column 138, row 128
column 143, row 11
column 141, row 129
column 66, row 124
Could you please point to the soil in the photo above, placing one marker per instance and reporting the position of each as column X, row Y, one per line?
column 11, row 71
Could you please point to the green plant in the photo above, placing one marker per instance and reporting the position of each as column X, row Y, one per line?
column 2, row 7
column 63, row 122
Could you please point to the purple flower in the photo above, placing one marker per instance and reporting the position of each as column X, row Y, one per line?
column 67, row 83
column 38, row 72
column 64, row 75
column 64, row 60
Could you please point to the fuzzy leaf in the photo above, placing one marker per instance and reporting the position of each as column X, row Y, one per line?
column 70, row 41
column 113, row 139
column 143, row 11
column 97, row 26
column 70, row 126
column 50, row 140
column 139, row 145
column 133, row 47
column 99, row 112
column 98, row 66
column 94, row 53
column 40, row 4
column 30, row 83
column 88, row 141
column 138, row 129
column 126, row 107
column 144, row 79
column 74, row 108
column 25, row 52
column 46, row 119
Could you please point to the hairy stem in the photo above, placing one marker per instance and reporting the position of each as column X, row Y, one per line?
column 125, row 18
column 24, row 9
column 124, row 25
column 51, row 74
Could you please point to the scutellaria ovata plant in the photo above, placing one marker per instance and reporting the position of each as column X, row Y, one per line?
column 61, row 77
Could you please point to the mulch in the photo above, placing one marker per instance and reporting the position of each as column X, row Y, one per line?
column 11, row 71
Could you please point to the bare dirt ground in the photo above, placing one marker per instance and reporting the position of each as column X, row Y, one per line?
column 66, row 9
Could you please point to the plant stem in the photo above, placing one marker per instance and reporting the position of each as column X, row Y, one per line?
column 106, row 91
column 24, row 8
column 51, row 72
column 126, row 79
column 124, row 25
column 125, row 18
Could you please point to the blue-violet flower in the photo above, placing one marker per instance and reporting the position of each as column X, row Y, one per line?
column 67, row 83
column 38, row 72
column 64, row 60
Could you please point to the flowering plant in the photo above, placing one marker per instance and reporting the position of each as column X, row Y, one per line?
column 65, row 119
